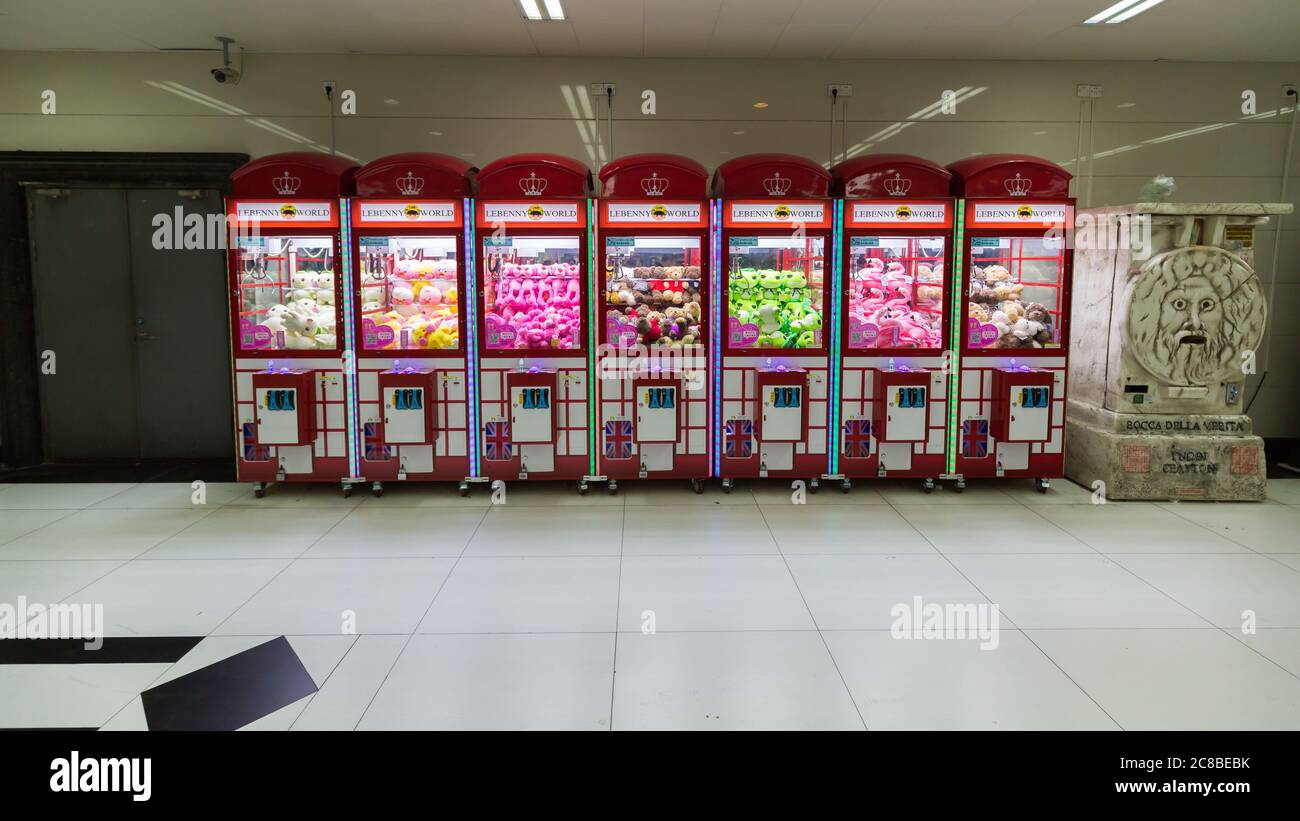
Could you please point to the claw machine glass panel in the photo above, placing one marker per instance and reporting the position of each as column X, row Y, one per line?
column 532, row 244
column 776, row 297
column 1015, row 315
column 414, row 386
column 898, row 220
column 289, row 340
column 653, row 366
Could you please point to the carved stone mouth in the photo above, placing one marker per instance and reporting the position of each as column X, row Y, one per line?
column 1190, row 338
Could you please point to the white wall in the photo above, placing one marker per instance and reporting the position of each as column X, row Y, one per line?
column 487, row 107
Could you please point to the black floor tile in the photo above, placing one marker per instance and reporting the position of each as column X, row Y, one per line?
column 231, row 693
column 125, row 650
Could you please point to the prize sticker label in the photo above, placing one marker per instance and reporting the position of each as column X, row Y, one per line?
column 981, row 334
column 742, row 335
column 499, row 334
column 621, row 334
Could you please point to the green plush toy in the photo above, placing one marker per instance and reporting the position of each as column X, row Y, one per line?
column 769, row 284
column 806, row 340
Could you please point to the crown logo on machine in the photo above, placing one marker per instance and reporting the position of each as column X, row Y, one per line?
column 532, row 185
column 410, row 185
column 1018, row 187
column 898, row 185
column 285, row 185
column 777, row 185
column 654, row 185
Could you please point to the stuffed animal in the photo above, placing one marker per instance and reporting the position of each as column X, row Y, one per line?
column 404, row 301
column 996, row 273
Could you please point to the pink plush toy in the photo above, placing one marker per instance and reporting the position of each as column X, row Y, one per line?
column 430, row 298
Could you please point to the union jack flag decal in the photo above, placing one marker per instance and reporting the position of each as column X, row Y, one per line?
column 496, row 441
column 254, row 452
column 738, row 439
column 375, row 449
column 857, row 438
column 618, row 439
column 975, row 438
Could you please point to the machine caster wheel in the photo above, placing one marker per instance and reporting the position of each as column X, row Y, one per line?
column 960, row 485
column 582, row 488
column 928, row 486
column 697, row 485
column 727, row 485
column 463, row 488
column 613, row 487
column 347, row 490
column 846, row 485
column 813, row 485
column 377, row 489
column 259, row 489
column 1042, row 485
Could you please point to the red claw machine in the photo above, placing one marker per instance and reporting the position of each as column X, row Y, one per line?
column 898, row 220
column 1010, row 417
column 532, row 239
column 774, row 242
column 652, row 370
column 288, row 342
column 408, row 226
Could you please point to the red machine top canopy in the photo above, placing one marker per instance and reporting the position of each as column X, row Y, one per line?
column 1009, row 175
column 771, row 175
column 295, row 174
column 640, row 176
column 416, row 175
column 545, row 176
column 878, row 176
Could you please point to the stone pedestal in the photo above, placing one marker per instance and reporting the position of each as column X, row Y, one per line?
column 1168, row 313
column 1164, row 456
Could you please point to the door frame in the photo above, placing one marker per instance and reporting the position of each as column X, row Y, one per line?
column 21, row 437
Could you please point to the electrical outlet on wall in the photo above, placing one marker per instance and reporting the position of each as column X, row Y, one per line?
column 1288, row 89
column 839, row 90
column 601, row 89
column 1088, row 90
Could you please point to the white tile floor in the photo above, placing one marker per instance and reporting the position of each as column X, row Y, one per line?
column 660, row 609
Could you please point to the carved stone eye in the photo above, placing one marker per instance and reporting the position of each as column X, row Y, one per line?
column 1207, row 304
column 1180, row 304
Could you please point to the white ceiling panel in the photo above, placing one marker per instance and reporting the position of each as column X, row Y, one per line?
column 1201, row 30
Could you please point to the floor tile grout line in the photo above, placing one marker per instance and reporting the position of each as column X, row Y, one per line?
column 410, row 636
column 618, row 606
column 288, row 563
column 67, row 512
column 356, row 639
column 813, row 618
column 1258, row 652
column 989, row 599
column 1229, row 538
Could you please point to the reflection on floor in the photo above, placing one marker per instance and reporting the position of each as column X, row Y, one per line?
column 762, row 608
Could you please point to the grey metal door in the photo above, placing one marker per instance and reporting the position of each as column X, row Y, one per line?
column 82, row 285
column 139, row 335
column 182, row 336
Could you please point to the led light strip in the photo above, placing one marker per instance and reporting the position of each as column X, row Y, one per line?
column 833, row 412
column 716, row 268
column 470, row 298
column 958, row 298
column 353, row 413
column 591, row 337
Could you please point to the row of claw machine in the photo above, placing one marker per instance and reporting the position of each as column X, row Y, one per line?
column 418, row 319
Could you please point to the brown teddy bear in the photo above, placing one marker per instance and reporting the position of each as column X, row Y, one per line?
column 977, row 311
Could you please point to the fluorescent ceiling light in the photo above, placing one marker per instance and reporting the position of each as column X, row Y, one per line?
column 554, row 10
column 1121, row 11
column 531, row 11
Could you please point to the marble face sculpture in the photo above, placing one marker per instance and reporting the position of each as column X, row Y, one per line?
column 1192, row 314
